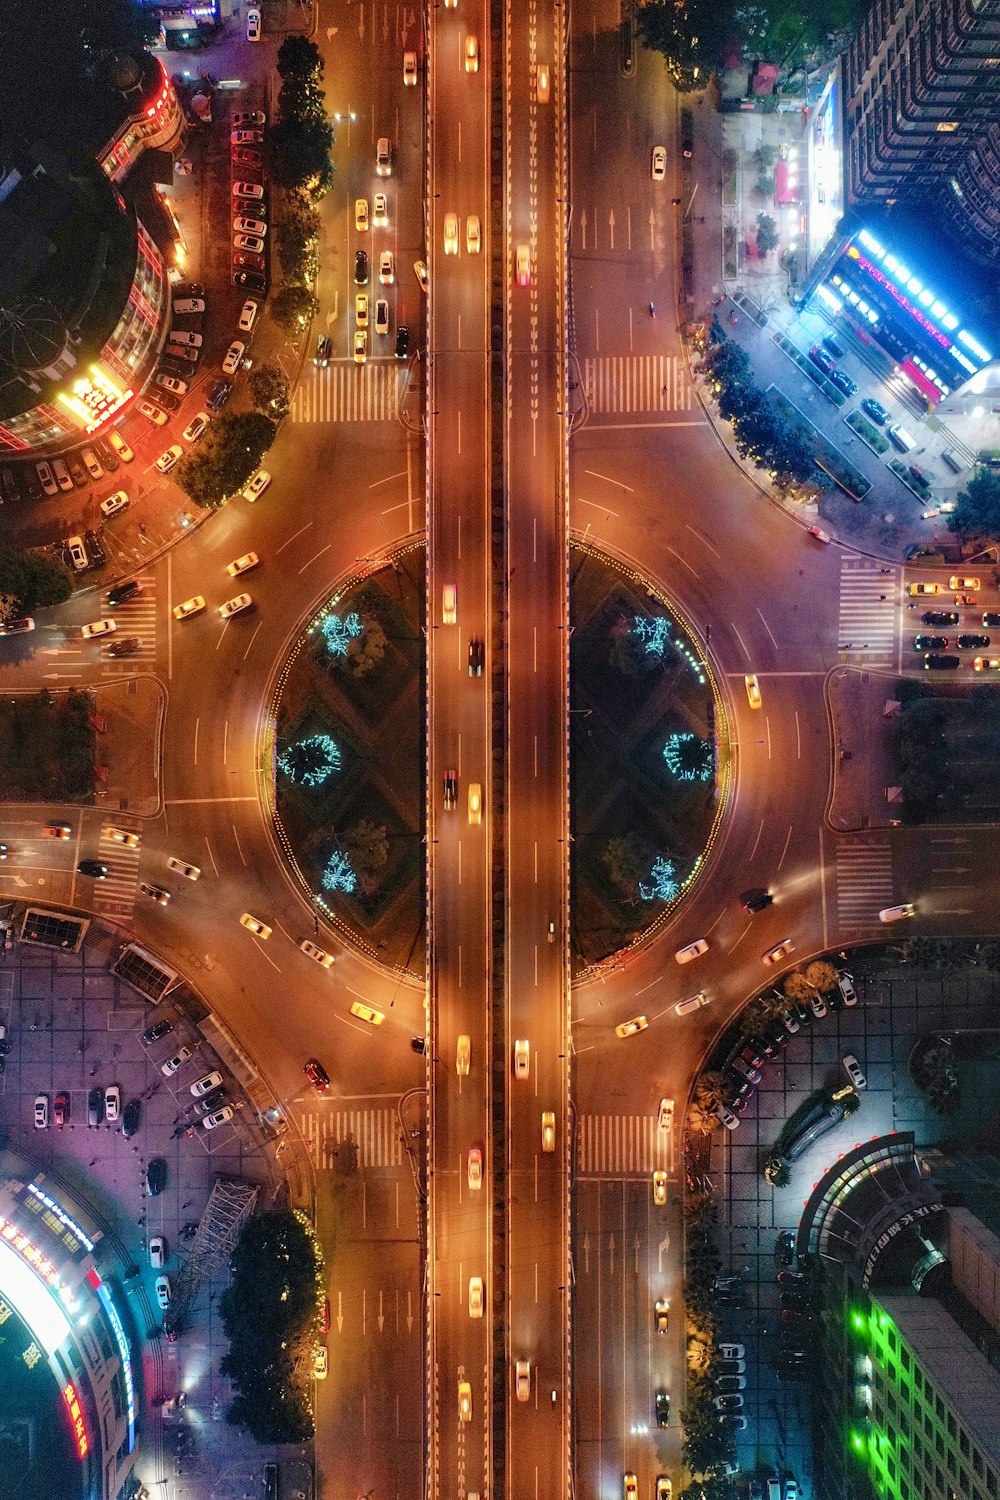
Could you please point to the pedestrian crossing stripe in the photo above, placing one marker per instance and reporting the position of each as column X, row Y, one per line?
column 621, row 1145
column 864, row 882
column 867, row 608
column 347, row 392
column 637, row 383
column 334, row 1135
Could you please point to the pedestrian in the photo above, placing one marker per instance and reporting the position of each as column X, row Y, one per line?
column 882, row 598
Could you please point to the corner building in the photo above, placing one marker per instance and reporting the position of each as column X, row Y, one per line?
column 921, row 90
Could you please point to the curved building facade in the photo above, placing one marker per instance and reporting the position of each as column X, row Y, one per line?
column 63, row 1308
column 84, row 293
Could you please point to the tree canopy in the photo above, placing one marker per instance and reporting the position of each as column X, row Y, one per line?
column 30, row 581
column 230, row 452
column 977, row 517
column 270, row 1312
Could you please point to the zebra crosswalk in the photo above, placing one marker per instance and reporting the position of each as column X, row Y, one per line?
column 115, row 895
column 637, row 383
column 346, row 392
column 333, row 1135
column 621, row 1146
column 867, row 619
column 864, row 881
column 135, row 636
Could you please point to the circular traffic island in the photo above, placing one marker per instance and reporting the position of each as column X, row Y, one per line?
column 649, row 757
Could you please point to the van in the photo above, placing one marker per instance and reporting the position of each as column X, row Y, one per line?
column 383, row 157
column 952, row 460
column 774, row 1489
column 900, row 438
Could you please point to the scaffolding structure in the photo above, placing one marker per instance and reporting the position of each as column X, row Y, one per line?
column 230, row 1205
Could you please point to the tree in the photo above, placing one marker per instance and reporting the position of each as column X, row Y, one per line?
column 298, row 57
column 297, row 232
column 707, row 1097
column 366, row 650
column 366, row 845
column 293, row 308
column 300, row 150
column 796, row 986
column 32, row 580
column 269, row 391
column 231, row 451
column 270, row 1312
column 821, row 975
column 976, row 518
column 767, row 233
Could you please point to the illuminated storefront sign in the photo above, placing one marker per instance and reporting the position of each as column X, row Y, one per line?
column 75, row 1411
column 60, row 1213
column 30, row 1291
column 98, row 1286
column 94, row 399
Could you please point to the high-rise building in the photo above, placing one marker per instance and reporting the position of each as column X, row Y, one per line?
column 921, row 91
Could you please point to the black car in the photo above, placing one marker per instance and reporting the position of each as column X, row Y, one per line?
column 821, row 360
column 215, row 1100
column 127, row 647
column 130, row 1117
column 402, row 341
column 793, row 1279
column 253, row 281
column 93, row 868
column 95, row 1106
column 153, row 1033
column 842, row 382
column 9, row 484
column 784, row 1248
column 361, row 268
column 934, row 662
column 450, row 791
column 662, row 1409
column 156, row 1177
column 106, row 454
column 795, row 1299
column 219, row 395
column 930, row 642
column 687, row 134
column 122, row 592
column 78, row 473
column 940, row 616
column 33, row 484
column 475, row 658
column 767, row 1046
column 875, row 410
column 972, row 642
column 756, row 899
column 95, row 551
column 189, row 289
column 834, row 345
column 166, row 401
column 991, row 618
column 323, row 347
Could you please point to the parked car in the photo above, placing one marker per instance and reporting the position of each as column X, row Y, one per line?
column 854, row 1071
column 130, row 1118
column 156, row 1176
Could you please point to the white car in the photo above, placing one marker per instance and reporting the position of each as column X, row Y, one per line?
column 321, row 1362
column 242, row 564
column 253, row 24
column 218, row 1117
column 475, row 1169
column 659, row 163
column 173, row 384
column 99, row 627
column 848, row 994
column 522, row 1380
column 112, row 1103
column 181, row 867
column 695, row 1002
column 257, row 485
column 155, row 893
column 77, row 553
column 323, row 958
column 234, row 357
column 240, row 190
column 188, row 340
column 235, row 606
column 173, row 1063
column 410, row 70
column 451, row 234
column 157, row 1251
column 897, row 913
column 245, row 226
column 725, row 1116
column 522, row 1059
column 114, row 504
column 853, row 1070
column 121, row 836
column 190, row 304
column 386, row 268
column 193, row 606
column 472, row 238
column 163, row 1292
column 255, row 925
column 166, row 460
column 778, row 952
column 41, row 1111
column 475, row 1296
column 46, row 478
column 665, row 1115
column 691, row 951
column 471, row 54
column 196, row 428
column 248, row 316
column 380, row 210
column 120, row 446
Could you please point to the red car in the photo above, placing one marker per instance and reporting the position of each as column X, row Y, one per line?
column 317, row 1075
column 324, row 1326
column 60, row 1110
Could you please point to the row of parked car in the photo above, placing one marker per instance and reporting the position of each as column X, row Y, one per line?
column 250, row 221
column 104, row 1106
column 47, row 476
column 208, row 1091
column 742, row 1074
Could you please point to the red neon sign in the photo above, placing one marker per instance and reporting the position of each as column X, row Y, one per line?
column 72, row 1401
